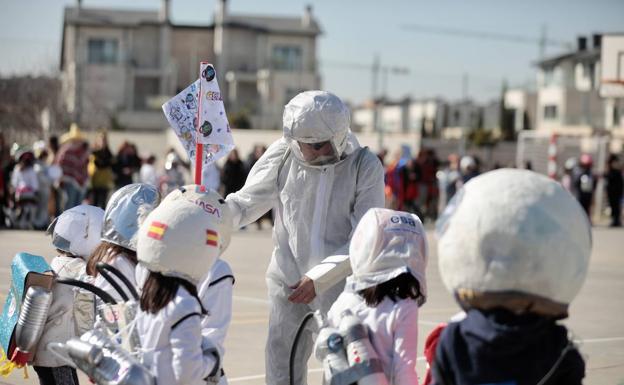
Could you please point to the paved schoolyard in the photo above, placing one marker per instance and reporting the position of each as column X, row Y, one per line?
column 597, row 315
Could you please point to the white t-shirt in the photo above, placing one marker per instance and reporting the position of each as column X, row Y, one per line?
column 393, row 328
column 148, row 175
column 24, row 180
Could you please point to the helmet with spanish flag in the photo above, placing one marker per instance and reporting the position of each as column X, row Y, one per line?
column 178, row 239
column 212, row 203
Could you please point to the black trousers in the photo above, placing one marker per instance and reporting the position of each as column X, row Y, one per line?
column 62, row 375
column 616, row 210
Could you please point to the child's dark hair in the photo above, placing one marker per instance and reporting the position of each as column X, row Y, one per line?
column 104, row 253
column 159, row 290
column 401, row 287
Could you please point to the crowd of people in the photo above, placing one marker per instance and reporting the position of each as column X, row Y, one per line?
column 39, row 181
column 423, row 184
column 337, row 252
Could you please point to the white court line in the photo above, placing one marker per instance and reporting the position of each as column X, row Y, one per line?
column 251, row 299
column 597, row 340
column 259, row 376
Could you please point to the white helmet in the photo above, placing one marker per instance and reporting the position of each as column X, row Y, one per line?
column 386, row 244
column 178, row 239
column 212, row 203
column 77, row 230
column 516, row 239
column 125, row 207
column 315, row 117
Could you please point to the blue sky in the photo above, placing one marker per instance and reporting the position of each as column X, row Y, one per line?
column 354, row 31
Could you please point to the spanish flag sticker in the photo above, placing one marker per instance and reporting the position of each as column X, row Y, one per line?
column 212, row 238
column 156, row 230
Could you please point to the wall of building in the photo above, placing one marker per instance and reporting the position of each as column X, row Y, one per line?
column 241, row 52
column 584, row 108
column 189, row 46
column 104, row 87
column 145, row 51
column 550, row 96
column 393, row 118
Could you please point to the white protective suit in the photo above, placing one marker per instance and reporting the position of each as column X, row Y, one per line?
column 316, row 209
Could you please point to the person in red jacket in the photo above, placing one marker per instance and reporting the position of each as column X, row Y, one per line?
column 73, row 158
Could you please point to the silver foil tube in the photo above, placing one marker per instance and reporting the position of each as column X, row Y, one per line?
column 32, row 318
column 106, row 362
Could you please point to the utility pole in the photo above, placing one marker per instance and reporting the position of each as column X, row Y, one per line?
column 78, row 57
column 465, row 80
column 376, row 127
column 543, row 40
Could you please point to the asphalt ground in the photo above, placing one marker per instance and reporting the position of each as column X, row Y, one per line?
column 596, row 321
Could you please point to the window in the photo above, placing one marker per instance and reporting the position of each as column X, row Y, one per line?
column 103, row 51
column 549, row 76
column 550, row 112
column 287, row 58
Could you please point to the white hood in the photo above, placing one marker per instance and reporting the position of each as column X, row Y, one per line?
column 514, row 231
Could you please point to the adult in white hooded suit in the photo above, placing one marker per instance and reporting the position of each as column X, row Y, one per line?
column 319, row 182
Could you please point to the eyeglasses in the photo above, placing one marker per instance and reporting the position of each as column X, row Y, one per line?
column 316, row 146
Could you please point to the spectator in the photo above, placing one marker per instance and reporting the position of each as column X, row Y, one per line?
column 25, row 187
column 615, row 189
column 173, row 176
column 148, row 173
column 429, row 167
column 254, row 155
column 450, row 177
column 73, row 158
column 127, row 162
column 41, row 167
column 234, row 173
column 410, row 176
column 101, row 171
column 585, row 183
column 53, row 145
column 5, row 161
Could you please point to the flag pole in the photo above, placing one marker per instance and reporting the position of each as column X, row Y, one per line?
column 199, row 147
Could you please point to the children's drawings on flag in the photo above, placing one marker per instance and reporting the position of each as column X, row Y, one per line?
column 213, row 130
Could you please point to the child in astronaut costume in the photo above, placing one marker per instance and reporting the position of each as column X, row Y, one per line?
column 75, row 234
column 513, row 248
column 177, row 243
column 215, row 290
column 119, row 232
column 388, row 256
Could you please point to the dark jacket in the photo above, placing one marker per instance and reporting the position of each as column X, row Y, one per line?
column 501, row 348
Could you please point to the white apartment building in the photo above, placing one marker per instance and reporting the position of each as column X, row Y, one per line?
column 567, row 91
column 425, row 116
column 521, row 104
column 121, row 65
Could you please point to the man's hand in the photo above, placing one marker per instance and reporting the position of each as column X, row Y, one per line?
column 303, row 291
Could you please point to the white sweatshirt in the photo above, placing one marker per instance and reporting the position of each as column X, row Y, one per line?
column 215, row 292
column 393, row 328
column 171, row 342
column 60, row 325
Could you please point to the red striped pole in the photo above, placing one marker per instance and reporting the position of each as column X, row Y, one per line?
column 199, row 147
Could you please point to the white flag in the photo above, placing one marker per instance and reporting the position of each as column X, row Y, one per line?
column 214, row 131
